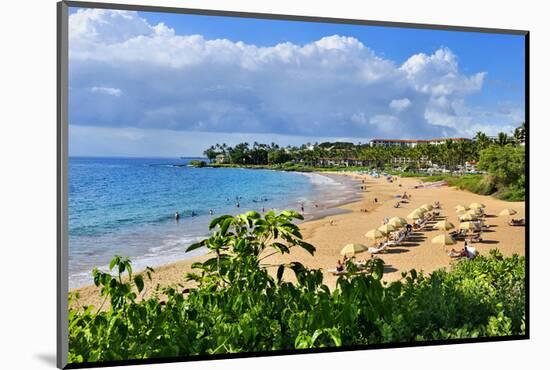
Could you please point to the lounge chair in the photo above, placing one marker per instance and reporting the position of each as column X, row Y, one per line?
column 458, row 235
column 518, row 222
column 376, row 250
column 474, row 238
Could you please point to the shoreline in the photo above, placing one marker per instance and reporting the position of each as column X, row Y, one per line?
column 321, row 197
column 329, row 233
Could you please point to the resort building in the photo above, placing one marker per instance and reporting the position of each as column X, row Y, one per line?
column 221, row 158
column 343, row 162
column 412, row 143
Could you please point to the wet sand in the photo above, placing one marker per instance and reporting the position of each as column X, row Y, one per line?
column 329, row 234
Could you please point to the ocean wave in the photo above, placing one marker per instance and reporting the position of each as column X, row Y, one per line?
column 318, row 179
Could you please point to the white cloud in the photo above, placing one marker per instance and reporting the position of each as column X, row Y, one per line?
column 335, row 86
column 400, row 104
column 107, row 90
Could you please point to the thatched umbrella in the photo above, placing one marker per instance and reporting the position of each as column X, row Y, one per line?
column 443, row 239
column 444, row 225
column 374, row 234
column 352, row 249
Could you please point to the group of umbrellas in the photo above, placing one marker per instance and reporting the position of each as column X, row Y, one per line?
column 383, row 231
column 467, row 216
column 420, row 212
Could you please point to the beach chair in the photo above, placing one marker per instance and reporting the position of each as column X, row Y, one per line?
column 458, row 235
column 474, row 238
column 518, row 222
column 377, row 250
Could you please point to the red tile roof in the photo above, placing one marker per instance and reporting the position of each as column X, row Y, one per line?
column 421, row 141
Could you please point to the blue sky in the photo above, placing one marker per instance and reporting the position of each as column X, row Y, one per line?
column 140, row 80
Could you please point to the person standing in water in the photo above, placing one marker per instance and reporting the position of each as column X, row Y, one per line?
column 211, row 212
column 177, row 216
column 238, row 205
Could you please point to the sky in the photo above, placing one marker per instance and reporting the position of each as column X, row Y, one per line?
column 167, row 85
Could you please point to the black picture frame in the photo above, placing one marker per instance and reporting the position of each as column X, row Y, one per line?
column 62, row 174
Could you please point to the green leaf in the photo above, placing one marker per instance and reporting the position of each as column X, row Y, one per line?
column 138, row 280
column 194, row 246
column 280, row 271
column 218, row 220
column 225, row 225
column 114, row 262
column 308, row 247
column 280, row 247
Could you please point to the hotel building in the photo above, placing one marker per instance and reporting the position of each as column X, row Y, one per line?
column 412, row 143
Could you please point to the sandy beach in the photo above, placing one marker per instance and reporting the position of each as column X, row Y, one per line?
column 331, row 233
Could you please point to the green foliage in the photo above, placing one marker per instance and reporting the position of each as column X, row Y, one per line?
column 197, row 163
column 278, row 156
column 505, row 163
column 238, row 306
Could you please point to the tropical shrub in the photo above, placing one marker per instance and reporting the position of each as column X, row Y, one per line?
column 235, row 305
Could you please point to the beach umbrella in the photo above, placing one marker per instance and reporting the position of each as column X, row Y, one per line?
column 507, row 212
column 428, row 207
column 374, row 234
column 444, row 225
column 385, row 229
column 352, row 249
column 415, row 215
column 443, row 239
column 472, row 211
column 468, row 225
column 468, row 217
column 423, row 209
column 396, row 224
column 477, row 205
column 461, row 208
column 397, row 221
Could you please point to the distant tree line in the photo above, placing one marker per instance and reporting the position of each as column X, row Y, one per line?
column 449, row 154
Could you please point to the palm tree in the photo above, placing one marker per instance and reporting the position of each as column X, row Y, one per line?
column 482, row 140
column 503, row 139
column 519, row 134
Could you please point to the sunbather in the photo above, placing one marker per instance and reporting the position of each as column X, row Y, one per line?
column 458, row 254
column 339, row 266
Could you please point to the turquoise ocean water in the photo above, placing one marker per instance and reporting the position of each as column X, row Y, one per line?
column 126, row 206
